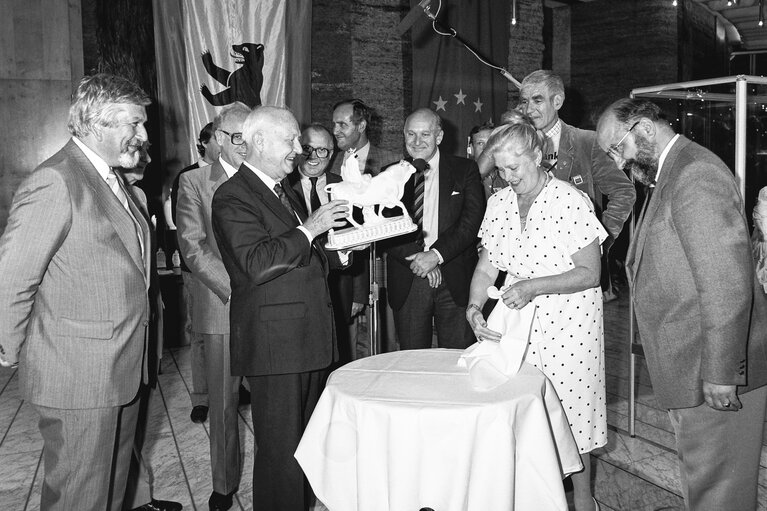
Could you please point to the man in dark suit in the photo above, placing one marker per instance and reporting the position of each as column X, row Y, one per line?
column 210, row 299
column 348, row 286
column 351, row 120
column 429, row 271
column 74, row 305
column 701, row 313
column 282, row 328
column 351, row 126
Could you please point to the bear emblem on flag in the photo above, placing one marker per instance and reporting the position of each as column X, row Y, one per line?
column 244, row 83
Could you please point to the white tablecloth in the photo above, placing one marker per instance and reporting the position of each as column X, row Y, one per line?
column 405, row 430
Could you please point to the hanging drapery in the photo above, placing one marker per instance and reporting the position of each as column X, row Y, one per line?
column 450, row 80
column 211, row 54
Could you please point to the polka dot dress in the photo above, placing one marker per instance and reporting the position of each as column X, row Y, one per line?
column 567, row 339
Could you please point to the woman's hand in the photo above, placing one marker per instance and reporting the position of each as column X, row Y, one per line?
column 520, row 293
column 479, row 326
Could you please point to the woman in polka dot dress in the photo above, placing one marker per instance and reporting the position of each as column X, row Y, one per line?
column 544, row 233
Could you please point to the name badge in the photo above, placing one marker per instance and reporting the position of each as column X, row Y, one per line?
column 577, row 180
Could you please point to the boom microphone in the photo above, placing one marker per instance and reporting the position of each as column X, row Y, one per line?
column 420, row 164
column 412, row 16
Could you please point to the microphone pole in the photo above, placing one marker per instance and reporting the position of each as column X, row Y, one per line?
column 425, row 6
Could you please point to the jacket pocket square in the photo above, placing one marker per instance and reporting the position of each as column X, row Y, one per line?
column 455, row 193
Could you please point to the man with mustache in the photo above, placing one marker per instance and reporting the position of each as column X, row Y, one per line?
column 74, row 306
column 701, row 313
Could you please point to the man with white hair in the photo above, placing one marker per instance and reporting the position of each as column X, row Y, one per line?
column 282, row 329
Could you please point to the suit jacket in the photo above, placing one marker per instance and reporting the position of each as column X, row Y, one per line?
column 347, row 285
column 197, row 243
column 281, row 314
column 174, row 206
column 74, row 307
column 461, row 209
column 582, row 163
column 155, row 335
column 377, row 159
column 701, row 314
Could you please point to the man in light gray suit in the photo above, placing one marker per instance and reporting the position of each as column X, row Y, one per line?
column 74, row 307
column 701, row 313
column 210, row 298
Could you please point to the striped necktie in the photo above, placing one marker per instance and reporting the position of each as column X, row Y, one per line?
column 284, row 198
column 418, row 193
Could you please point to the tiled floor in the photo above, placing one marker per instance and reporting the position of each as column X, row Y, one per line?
column 178, row 449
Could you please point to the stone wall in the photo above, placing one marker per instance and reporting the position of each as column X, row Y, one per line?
column 525, row 44
column 357, row 53
column 618, row 46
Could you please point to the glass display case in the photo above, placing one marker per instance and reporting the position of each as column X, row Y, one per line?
column 728, row 116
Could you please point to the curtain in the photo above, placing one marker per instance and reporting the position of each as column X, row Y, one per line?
column 450, row 80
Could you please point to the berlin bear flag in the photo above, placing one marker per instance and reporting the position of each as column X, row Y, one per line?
column 450, row 80
column 211, row 54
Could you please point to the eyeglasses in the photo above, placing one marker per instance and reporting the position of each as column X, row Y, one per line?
column 615, row 149
column 236, row 138
column 321, row 152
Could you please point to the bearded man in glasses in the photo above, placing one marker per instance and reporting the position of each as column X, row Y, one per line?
column 211, row 291
column 701, row 312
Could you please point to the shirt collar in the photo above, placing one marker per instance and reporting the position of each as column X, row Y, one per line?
column 433, row 162
column 230, row 171
column 307, row 179
column 554, row 130
column 267, row 180
column 663, row 155
column 102, row 167
column 362, row 152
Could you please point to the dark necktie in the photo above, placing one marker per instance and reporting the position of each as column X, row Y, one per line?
column 418, row 197
column 284, row 199
column 314, row 199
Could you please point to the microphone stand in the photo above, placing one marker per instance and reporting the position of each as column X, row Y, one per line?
column 449, row 31
column 374, row 334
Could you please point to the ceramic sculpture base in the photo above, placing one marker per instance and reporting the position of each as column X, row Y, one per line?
column 355, row 236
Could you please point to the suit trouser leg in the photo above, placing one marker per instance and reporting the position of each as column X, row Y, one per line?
column 86, row 455
column 223, row 393
column 199, row 394
column 453, row 330
column 281, row 406
column 719, row 453
column 138, row 490
column 413, row 320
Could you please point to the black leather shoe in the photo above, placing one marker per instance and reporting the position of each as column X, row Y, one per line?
column 199, row 414
column 160, row 505
column 219, row 501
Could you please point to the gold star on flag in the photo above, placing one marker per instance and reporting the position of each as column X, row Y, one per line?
column 478, row 105
column 440, row 103
column 460, row 97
